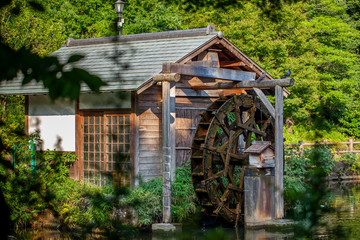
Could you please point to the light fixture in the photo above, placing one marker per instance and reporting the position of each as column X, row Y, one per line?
column 119, row 7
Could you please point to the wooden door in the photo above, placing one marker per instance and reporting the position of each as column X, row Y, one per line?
column 106, row 148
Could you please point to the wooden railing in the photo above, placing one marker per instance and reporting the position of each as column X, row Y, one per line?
column 338, row 147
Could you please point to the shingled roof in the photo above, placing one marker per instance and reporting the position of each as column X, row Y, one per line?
column 126, row 62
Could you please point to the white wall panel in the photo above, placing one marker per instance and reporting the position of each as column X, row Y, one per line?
column 105, row 100
column 55, row 122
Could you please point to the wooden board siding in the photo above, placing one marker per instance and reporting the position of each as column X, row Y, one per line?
column 148, row 113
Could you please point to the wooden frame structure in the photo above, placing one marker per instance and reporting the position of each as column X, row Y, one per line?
column 243, row 79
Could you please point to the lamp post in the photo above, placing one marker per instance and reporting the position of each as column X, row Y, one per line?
column 119, row 7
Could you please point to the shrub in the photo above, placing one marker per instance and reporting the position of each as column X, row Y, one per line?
column 183, row 195
column 28, row 192
column 83, row 204
column 147, row 198
column 147, row 201
column 300, row 166
column 352, row 162
column 54, row 166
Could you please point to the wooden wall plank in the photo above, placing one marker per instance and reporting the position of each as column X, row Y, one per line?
column 182, row 156
column 149, row 104
column 143, row 128
column 150, row 167
column 149, row 116
column 156, row 140
column 154, row 160
column 154, row 154
column 149, row 132
column 155, row 110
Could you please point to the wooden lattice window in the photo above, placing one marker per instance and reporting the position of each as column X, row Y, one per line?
column 106, row 149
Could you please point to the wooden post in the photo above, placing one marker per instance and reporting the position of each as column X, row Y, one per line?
column 351, row 145
column 279, row 153
column 166, row 158
column 26, row 115
column 173, row 129
column 168, row 136
column 301, row 148
column 137, row 143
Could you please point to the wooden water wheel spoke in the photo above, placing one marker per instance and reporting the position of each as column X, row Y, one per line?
column 229, row 126
column 234, row 156
column 227, row 160
column 266, row 123
column 223, row 199
column 262, row 133
column 237, row 133
column 212, row 178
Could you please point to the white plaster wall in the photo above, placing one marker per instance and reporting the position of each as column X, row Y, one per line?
column 55, row 122
column 105, row 100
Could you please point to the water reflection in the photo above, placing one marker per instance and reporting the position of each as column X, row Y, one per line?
column 342, row 223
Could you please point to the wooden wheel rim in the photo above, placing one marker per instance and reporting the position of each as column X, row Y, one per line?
column 217, row 161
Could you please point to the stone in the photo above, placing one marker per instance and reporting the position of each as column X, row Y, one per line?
column 163, row 227
column 279, row 224
column 126, row 215
column 271, row 224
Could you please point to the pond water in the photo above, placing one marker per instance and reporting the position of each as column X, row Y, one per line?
column 342, row 223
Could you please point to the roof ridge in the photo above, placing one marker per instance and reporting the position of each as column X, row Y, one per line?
column 210, row 29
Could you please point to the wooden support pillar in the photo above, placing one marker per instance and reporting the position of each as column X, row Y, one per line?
column 279, row 153
column 168, row 138
column 166, row 158
column 173, row 129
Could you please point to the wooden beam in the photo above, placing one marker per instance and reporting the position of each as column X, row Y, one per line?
column 265, row 101
column 199, row 71
column 232, row 64
column 279, row 153
column 173, row 77
column 287, row 82
column 207, row 63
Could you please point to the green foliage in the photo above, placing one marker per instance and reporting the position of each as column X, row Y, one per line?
column 27, row 193
column 300, row 165
column 147, row 201
column 182, row 194
column 150, row 16
column 319, row 40
column 352, row 162
column 12, row 116
column 318, row 44
column 83, row 204
column 54, row 166
column 147, row 198
column 311, row 203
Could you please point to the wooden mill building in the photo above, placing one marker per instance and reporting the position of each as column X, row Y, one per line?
column 126, row 117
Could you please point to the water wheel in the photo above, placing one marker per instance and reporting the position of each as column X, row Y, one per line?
column 218, row 162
